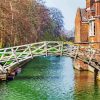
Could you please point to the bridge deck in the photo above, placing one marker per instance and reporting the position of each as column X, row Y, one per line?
column 9, row 57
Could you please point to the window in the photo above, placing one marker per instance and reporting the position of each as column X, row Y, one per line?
column 91, row 28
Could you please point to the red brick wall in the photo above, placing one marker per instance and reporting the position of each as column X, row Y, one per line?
column 97, row 5
column 97, row 30
column 77, row 26
column 84, row 32
column 81, row 29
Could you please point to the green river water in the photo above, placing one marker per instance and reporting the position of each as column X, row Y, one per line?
column 51, row 78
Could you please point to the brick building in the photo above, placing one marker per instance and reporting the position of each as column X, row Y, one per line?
column 87, row 24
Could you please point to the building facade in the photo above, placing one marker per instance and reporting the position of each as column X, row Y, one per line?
column 87, row 24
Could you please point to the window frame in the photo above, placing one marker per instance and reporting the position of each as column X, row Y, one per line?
column 92, row 28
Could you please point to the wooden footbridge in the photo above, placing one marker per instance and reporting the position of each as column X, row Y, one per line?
column 12, row 57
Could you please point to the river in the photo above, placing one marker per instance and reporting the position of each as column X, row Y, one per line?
column 51, row 78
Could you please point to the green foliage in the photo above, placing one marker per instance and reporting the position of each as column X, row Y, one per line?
column 48, row 37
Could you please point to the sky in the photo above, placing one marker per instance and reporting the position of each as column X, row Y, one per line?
column 68, row 9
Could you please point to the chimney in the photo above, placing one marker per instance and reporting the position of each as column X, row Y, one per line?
column 87, row 3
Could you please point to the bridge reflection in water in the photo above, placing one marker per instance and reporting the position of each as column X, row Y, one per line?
column 51, row 78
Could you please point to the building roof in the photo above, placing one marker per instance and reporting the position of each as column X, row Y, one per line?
column 84, row 15
column 97, row 0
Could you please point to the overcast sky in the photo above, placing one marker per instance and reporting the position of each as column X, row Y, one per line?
column 68, row 9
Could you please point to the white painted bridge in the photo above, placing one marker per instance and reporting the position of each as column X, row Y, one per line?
column 14, row 56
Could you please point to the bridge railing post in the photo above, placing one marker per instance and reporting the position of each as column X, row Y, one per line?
column 3, row 54
column 60, row 44
column 15, row 55
column 62, row 48
column 29, row 47
column 92, row 54
column 46, row 48
column 76, row 52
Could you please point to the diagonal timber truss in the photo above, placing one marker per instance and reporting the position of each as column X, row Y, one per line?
column 14, row 56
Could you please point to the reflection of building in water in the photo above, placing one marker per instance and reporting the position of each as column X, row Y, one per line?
column 87, row 23
column 83, row 79
column 85, row 87
column 81, row 66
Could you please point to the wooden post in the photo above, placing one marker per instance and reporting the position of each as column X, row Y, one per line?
column 14, row 53
column 46, row 48
column 3, row 54
column 76, row 53
column 95, row 74
column 92, row 54
column 61, row 48
column 29, row 47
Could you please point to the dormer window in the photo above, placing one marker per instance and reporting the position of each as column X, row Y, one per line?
column 91, row 28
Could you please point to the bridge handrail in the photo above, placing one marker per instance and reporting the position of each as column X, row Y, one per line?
column 12, row 55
